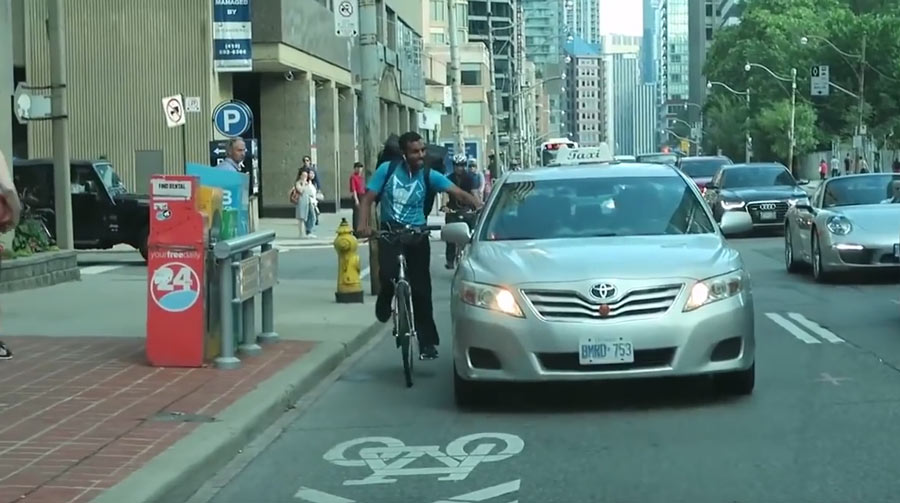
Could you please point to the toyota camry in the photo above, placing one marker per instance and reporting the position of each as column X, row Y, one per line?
column 849, row 225
column 594, row 270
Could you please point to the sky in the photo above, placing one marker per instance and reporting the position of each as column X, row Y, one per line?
column 622, row 17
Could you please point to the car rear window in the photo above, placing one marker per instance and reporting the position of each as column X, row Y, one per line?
column 702, row 168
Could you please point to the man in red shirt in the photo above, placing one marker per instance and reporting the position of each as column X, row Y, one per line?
column 357, row 189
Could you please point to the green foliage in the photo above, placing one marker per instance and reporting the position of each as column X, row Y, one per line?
column 725, row 125
column 30, row 237
column 774, row 124
column 770, row 34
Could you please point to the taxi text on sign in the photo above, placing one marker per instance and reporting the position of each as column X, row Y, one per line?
column 582, row 155
column 175, row 274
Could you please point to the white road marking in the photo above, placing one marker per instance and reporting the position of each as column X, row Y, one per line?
column 825, row 377
column 815, row 328
column 314, row 496
column 365, row 273
column 98, row 269
column 486, row 493
column 792, row 329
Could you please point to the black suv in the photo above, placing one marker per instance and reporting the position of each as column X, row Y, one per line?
column 104, row 214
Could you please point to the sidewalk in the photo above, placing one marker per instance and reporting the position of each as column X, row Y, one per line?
column 83, row 418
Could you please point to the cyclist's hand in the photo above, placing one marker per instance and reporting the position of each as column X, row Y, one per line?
column 445, row 209
column 363, row 231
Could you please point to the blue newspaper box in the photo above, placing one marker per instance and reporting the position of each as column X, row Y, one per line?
column 235, row 191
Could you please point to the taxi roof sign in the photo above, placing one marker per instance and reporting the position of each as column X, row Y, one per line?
column 584, row 155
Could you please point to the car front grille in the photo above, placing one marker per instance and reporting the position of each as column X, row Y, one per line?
column 643, row 359
column 567, row 305
column 756, row 209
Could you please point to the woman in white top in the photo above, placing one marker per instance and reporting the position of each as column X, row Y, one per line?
column 306, row 206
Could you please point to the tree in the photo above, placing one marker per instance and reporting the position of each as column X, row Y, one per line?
column 725, row 126
column 774, row 125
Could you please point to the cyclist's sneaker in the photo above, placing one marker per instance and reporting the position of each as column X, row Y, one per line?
column 449, row 265
column 5, row 353
column 383, row 308
column 429, row 352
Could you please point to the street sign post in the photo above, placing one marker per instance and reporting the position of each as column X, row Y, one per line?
column 819, row 80
column 346, row 18
column 28, row 106
column 173, row 106
column 232, row 118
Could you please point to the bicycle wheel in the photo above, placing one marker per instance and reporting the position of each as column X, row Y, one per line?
column 405, row 331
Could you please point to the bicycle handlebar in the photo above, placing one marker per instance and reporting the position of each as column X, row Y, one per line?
column 421, row 230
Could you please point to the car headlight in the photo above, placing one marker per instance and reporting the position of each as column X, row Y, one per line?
column 794, row 201
column 732, row 205
column 714, row 289
column 839, row 225
column 491, row 297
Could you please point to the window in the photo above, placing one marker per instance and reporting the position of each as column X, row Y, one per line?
column 472, row 114
column 470, row 77
column 438, row 10
column 438, row 38
column 599, row 207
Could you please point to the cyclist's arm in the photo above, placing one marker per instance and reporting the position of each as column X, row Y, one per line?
column 376, row 181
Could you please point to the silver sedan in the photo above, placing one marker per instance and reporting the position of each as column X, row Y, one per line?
column 599, row 271
column 849, row 225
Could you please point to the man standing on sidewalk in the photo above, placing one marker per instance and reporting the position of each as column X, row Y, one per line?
column 236, row 151
column 357, row 189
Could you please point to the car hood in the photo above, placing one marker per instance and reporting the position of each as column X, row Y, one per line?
column 694, row 256
column 775, row 193
column 875, row 218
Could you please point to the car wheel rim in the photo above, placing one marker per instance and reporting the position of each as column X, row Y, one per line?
column 788, row 249
column 816, row 259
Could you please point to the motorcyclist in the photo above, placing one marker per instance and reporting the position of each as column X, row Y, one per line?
column 452, row 206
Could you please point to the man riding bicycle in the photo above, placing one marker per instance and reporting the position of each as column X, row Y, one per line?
column 452, row 206
column 401, row 190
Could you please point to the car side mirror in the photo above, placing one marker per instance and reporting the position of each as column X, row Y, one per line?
column 736, row 222
column 804, row 207
column 457, row 233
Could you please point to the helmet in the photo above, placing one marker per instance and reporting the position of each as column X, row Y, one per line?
column 460, row 160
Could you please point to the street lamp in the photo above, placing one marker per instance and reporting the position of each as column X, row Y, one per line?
column 748, row 140
column 793, row 81
column 860, row 74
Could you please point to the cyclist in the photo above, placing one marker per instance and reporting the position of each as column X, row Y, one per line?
column 452, row 206
column 402, row 190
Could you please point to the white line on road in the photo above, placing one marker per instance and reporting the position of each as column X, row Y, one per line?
column 792, row 329
column 314, row 496
column 486, row 493
column 815, row 328
column 98, row 269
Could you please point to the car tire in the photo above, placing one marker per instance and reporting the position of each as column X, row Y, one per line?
column 466, row 394
column 142, row 245
column 818, row 269
column 740, row 383
column 790, row 262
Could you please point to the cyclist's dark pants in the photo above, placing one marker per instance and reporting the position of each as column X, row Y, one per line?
column 418, row 274
column 451, row 247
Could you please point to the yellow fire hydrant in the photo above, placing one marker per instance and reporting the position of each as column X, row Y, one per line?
column 349, row 285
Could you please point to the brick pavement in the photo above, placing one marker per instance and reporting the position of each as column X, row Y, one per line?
column 77, row 414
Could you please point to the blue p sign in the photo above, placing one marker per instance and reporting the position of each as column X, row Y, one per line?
column 232, row 118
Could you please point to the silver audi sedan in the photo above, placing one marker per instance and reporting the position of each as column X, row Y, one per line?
column 849, row 224
column 599, row 270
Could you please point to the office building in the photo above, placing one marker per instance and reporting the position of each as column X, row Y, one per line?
column 702, row 25
column 645, row 119
column 625, row 72
column 545, row 39
column 502, row 17
column 586, row 92
column 674, row 58
column 729, row 12
column 649, row 43
column 584, row 18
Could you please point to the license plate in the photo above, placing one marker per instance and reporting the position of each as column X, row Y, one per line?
column 897, row 250
column 593, row 351
column 767, row 215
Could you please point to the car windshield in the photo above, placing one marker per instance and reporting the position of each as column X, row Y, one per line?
column 658, row 158
column 599, row 207
column 110, row 179
column 702, row 168
column 857, row 190
column 756, row 176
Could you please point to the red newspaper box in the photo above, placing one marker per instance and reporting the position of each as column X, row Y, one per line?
column 175, row 273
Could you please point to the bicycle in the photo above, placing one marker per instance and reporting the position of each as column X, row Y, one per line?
column 467, row 215
column 402, row 307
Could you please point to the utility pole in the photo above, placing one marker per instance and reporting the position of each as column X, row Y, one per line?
column 793, row 119
column 862, row 101
column 62, row 181
column 748, row 141
column 495, row 122
column 522, row 121
column 455, row 79
column 6, row 83
column 370, row 112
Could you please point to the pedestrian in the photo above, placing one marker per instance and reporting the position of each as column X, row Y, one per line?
column 309, row 166
column 835, row 165
column 895, row 167
column 10, row 211
column 477, row 180
column 304, row 193
column 236, row 150
column 313, row 179
column 847, row 164
column 357, row 189
column 863, row 164
column 823, row 169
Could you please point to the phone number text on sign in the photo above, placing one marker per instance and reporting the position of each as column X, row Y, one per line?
column 175, row 287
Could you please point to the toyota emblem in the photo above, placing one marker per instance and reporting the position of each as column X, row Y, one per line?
column 604, row 291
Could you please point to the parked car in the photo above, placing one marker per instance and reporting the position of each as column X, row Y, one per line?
column 104, row 213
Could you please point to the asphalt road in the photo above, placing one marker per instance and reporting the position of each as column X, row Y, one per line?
column 821, row 426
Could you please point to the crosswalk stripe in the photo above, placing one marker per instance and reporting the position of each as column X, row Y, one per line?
column 815, row 328
column 792, row 329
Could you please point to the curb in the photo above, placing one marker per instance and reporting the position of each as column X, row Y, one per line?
column 180, row 470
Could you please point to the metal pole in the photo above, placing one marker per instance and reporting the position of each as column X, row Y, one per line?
column 862, row 100
column 268, row 335
column 793, row 119
column 495, row 109
column 62, row 181
column 747, row 140
column 6, row 85
column 520, row 69
column 455, row 79
column 249, row 347
column 370, row 111
column 226, row 360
